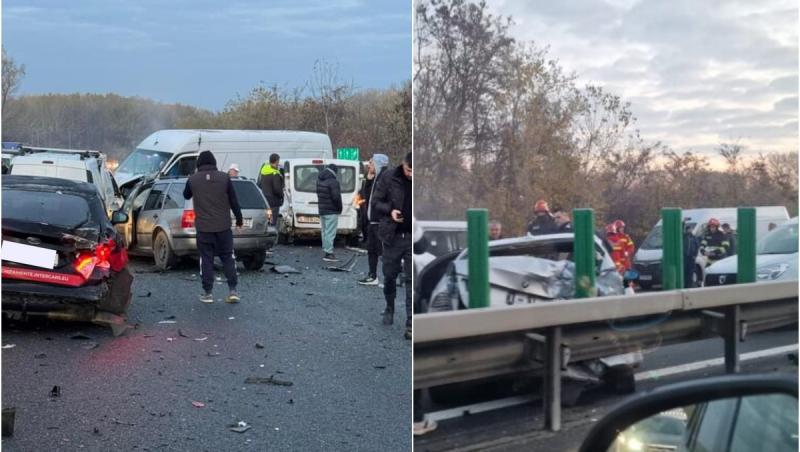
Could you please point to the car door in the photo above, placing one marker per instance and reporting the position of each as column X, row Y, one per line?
column 149, row 216
column 132, row 206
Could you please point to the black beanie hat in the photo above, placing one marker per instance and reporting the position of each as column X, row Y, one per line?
column 206, row 158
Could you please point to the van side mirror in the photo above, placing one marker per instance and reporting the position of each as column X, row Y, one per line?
column 119, row 217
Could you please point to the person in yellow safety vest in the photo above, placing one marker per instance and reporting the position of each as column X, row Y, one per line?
column 715, row 243
column 271, row 182
column 626, row 241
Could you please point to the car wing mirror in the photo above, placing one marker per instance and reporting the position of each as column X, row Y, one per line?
column 119, row 217
column 681, row 416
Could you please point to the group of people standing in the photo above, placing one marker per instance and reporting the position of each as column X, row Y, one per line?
column 385, row 209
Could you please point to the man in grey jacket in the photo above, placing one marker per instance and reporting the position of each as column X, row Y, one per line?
column 214, row 199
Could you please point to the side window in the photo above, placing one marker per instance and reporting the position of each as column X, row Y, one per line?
column 714, row 425
column 174, row 198
column 155, row 199
column 766, row 422
column 89, row 177
column 184, row 167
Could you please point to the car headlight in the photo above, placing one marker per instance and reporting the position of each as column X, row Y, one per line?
column 771, row 272
column 635, row 444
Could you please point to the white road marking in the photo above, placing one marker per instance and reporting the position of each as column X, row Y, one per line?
column 689, row 367
column 454, row 413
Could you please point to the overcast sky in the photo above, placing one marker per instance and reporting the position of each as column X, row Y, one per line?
column 203, row 52
column 696, row 72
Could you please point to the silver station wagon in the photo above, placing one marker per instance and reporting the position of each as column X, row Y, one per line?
column 161, row 223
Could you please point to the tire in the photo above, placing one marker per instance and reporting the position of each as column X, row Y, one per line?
column 285, row 238
column 163, row 255
column 254, row 262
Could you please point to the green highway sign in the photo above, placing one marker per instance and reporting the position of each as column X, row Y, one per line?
column 347, row 154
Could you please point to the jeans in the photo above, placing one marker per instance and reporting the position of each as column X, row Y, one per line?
column 275, row 211
column 397, row 256
column 329, row 224
column 374, row 249
column 210, row 244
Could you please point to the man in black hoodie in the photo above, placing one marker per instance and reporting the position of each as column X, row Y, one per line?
column 392, row 205
column 329, row 196
column 214, row 199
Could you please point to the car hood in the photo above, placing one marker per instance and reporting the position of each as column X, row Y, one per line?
column 729, row 265
column 643, row 255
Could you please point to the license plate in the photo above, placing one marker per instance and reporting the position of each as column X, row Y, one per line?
column 247, row 223
column 307, row 219
column 28, row 255
column 645, row 277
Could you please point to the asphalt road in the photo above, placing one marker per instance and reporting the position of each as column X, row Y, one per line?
column 350, row 376
column 520, row 428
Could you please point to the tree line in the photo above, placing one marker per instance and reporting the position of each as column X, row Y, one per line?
column 498, row 123
column 372, row 120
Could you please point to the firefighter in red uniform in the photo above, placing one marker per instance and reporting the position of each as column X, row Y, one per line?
column 617, row 247
column 625, row 240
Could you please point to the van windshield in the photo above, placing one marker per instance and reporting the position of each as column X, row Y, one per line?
column 305, row 178
column 654, row 240
column 142, row 161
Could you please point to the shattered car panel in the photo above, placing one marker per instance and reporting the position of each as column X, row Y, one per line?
column 523, row 271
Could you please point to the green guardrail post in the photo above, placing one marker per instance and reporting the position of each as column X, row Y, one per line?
column 478, row 257
column 584, row 253
column 672, row 262
column 746, row 244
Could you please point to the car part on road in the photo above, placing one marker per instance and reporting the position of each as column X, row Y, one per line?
column 284, row 269
column 255, row 261
column 9, row 417
column 267, row 381
column 346, row 267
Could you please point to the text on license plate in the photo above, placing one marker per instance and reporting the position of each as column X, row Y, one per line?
column 646, row 277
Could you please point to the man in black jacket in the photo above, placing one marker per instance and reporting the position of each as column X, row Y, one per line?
column 392, row 205
column 379, row 163
column 271, row 181
column 329, row 197
column 542, row 222
column 214, row 199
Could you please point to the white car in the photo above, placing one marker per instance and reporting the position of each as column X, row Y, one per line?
column 776, row 258
column 77, row 165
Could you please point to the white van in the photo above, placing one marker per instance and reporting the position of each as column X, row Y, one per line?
column 77, row 165
column 300, row 214
column 647, row 260
column 174, row 152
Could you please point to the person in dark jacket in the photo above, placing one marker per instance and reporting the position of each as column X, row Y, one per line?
column 214, row 200
column 329, row 198
column 731, row 234
column 271, row 182
column 392, row 207
column 690, row 250
column 374, row 246
column 562, row 221
column 542, row 222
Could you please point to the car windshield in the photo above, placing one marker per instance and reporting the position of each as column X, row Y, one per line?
column 54, row 209
column 248, row 195
column 782, row 240
column 305, row 178
column 143, row 161
column 653, row 241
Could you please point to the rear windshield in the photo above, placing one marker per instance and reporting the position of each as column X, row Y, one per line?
column 782, row 240
column 55, row 209
column 305, row 178
column 249, row 195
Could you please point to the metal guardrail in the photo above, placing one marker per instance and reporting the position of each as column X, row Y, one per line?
column 440, row 326
column 479, row 343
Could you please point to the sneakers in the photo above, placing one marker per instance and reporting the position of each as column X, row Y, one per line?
column 408, row 333
column 426, row 426
column 233, row 297
column 329, row 257
column 207, row 297
column 369, row 281
column 388, row 317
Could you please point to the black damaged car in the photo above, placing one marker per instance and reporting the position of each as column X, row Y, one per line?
column 61, row 256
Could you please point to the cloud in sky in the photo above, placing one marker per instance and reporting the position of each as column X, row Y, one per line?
column 203, row 52
column 697, row 73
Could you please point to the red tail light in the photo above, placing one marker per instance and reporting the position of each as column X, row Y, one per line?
column 317, row 162
column 84, row 264
column 187, row 219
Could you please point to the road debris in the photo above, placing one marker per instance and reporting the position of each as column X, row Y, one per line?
column 198, row 404
column 231, row 318
column 241, row 427
column 146, row 296
column 267, row 381
column 40, row 355
column 118, row 422
column 167, row 322
column 200, row 339
column 9, row 345
column 259, row 345
column 9, row 415
column 90, row 345
column 180, row 333
column 284, row 269
column 346, row 267
column 56, row 391
column 356, row 250
column 80, row 337
column 212, row 354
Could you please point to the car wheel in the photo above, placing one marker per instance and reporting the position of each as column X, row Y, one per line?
column 256, row 261
column 162, row 252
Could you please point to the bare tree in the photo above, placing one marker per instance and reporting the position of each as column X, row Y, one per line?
column 12, row 76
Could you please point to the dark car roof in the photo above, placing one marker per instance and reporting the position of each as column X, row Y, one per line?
column 49, row 182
